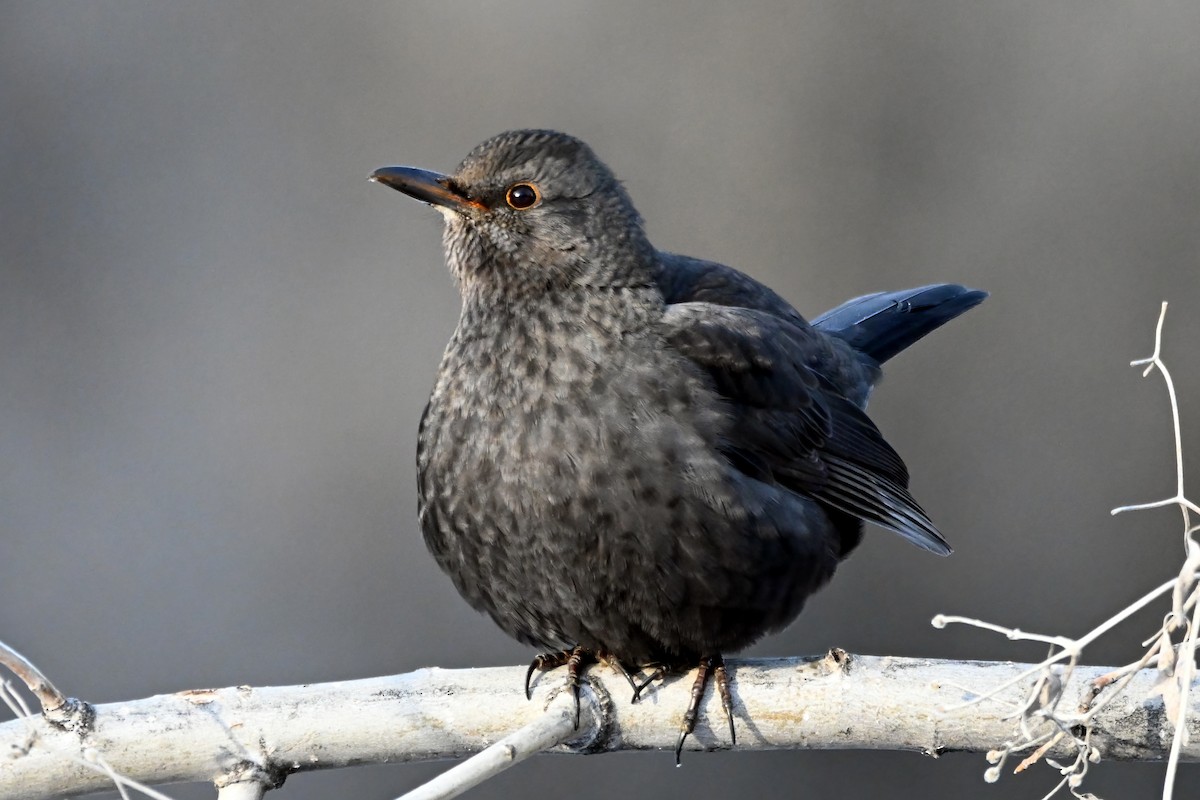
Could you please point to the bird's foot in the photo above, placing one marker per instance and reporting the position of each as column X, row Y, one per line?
column 657, row 673
column 576, row 660
column 714, row 667
column 616, row 664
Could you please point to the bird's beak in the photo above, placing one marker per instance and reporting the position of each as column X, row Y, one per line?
column 428, row 187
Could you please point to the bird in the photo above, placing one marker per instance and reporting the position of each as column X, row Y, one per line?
column 635, row 456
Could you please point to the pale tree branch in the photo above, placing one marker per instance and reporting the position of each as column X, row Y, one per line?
column 258, row 736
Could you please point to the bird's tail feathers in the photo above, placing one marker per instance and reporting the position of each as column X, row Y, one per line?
column 881, row 325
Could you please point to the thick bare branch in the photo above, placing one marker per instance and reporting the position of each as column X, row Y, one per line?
column 835, row 702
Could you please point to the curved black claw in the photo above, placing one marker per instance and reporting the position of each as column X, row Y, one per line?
column 714, row 665
column 529, row 678
column 625, row 673
column 544, row 662
column 576, row 660
column 658, row 673
column 693, row 709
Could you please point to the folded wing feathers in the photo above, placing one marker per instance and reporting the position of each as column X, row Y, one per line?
column 790, row 424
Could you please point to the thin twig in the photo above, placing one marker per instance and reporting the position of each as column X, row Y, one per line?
column 93, row 760
column 1071, row 646
column 1183, row 679
column 1176, row 661
column 555, row 727
column 1153, row 362
column 243, row 790
column 50, row 697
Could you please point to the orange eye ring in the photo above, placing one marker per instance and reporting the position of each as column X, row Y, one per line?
column 522, row 196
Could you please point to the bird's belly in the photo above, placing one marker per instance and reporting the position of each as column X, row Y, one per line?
column 623, row 532
column 545, row 520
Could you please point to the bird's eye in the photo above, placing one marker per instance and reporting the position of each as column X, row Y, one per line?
column 522, row 196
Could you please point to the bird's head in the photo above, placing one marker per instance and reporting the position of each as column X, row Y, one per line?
column 529, row 211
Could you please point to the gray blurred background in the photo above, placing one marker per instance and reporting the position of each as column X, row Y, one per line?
column 216, row 337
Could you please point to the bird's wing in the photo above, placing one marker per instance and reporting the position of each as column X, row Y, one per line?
column 790, row 425
column 683, row 279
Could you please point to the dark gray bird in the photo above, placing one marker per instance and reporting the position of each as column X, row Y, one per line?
column 635, row 455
